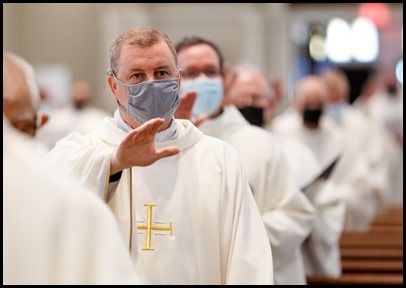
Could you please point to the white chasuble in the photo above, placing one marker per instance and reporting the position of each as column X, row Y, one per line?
column 192, row 215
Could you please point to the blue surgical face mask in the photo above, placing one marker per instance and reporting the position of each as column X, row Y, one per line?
column 151, row 99
column 336, row 110
column 209, row 94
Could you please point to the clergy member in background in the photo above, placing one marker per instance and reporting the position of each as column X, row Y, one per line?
column 384, row 106
column 21, row 99
column 309, row 124
column 255, row 98
column 320, row 250
column 54, row 232
column 287, row 214
column 358, row 128
column 197, row 221
column 78, row 114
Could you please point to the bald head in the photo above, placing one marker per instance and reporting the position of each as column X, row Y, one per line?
column 250, row 88
column 311, row 92
column 20, row 93
column 337, row 84
column 81, row 94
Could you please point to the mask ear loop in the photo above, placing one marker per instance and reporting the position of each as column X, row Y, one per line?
column 120, row 106
column 110, row 72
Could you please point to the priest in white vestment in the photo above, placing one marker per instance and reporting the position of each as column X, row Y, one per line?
column 385, row 108
column 327, row 140
column 21, row 98
column 54, row 231
column 196, row 219
column 287, row 214
column 320, row 250
column 360, row 129
column 76, row 115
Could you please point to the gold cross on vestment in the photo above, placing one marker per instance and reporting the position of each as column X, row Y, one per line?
column 152, row 225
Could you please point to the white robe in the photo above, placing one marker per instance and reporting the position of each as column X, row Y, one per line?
column 63, row 121
column 55, row 232
column 366, row 134
column 287, row 214
column 321, row 250
column 387, row 111
column 211, row 230
column 350, row 177
column 299, row 156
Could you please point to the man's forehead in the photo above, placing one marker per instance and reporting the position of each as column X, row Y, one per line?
column 15, row 86
column 198, row 54
column 153, row 57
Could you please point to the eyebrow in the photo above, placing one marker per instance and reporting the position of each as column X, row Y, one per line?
column 163, row 67
column 138, row 70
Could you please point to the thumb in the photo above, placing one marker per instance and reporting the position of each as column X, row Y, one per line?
column 167, row 152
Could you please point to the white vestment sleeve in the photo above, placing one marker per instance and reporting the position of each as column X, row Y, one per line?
column 247, row 245
column 288, row 215
column 54, row 231
column 85, row 160
column 321, row 251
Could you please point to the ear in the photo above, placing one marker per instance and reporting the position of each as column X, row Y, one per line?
column 43, row 119
column 113, row 85
column 180, row 76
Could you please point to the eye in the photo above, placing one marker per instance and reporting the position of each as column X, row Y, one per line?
column 162, row 73
column 211, row 72
column 136, row 75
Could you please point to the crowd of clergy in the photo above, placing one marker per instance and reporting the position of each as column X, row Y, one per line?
column 206, row 173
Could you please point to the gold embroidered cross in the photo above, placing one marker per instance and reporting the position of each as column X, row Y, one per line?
column 151, row 225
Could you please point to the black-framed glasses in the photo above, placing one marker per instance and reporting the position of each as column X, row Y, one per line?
column 194, row 73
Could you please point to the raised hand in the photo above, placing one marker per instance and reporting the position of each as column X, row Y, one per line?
column 185, row 107
column 138, row 148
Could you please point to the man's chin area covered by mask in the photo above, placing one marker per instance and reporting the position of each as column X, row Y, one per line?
column 254, row 115
column 311, row 117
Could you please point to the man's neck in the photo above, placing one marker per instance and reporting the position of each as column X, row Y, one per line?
column 167, row 132
column 217, row 113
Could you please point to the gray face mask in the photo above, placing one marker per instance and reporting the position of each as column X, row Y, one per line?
column 151, row 99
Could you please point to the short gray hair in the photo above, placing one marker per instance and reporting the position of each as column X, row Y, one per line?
column 29, row 75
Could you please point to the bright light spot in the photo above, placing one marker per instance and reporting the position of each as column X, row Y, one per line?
column 364, row 40
column 338, row 44
column 377, row 12
column 317, row 48
column 399, row 71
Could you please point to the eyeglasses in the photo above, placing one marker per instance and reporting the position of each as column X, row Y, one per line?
column 209, row 72
column 26, row 126
column 30, row 126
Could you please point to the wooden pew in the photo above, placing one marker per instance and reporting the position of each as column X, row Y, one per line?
column 371, row 257
column 385, row 220
column 362, row 239
column 370, row 265
column 386, row 229
column 371, row 253
column 359, row 278
column 393, row 216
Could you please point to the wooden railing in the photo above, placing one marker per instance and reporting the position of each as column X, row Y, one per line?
column 374, row 256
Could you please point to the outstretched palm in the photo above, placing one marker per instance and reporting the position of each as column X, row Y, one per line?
column 138, row 147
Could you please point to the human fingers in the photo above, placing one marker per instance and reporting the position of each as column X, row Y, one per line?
column 189, row 98
column 167, row 152
column 150, row 127
column 200, row 119
column 184, row 111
